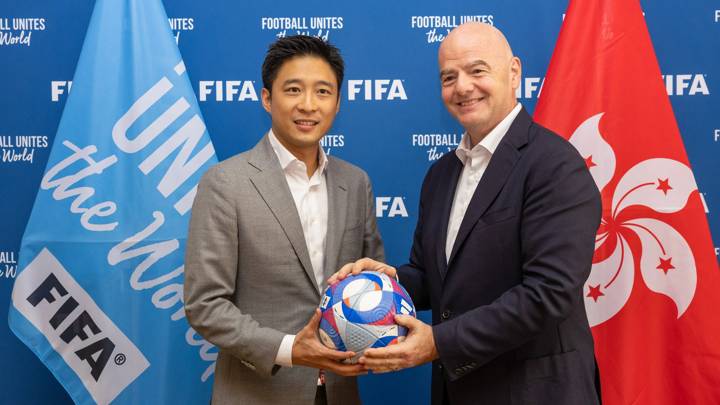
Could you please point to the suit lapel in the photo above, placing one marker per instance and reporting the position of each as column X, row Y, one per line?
column 494, row 178
column 270, row 183
column 446, row 192
column 337, row 213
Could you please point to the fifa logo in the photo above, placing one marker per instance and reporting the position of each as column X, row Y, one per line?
column 90, row 343
column 58, row 88
column 227, row 90
column 390, row 207
column 95, row 354
column 381, row 89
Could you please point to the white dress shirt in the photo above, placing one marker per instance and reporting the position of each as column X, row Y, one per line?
column 475, row 160
column 311, row 200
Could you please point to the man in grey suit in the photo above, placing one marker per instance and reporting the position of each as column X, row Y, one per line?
column 268, row 227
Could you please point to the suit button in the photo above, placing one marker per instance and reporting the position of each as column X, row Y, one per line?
column 439, row 366
column 445, row 314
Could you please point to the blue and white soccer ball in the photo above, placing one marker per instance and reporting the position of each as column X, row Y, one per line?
column 358, row 313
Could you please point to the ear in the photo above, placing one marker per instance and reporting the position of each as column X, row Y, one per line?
column 266, row 99
column 515, row 72
column 337, row 108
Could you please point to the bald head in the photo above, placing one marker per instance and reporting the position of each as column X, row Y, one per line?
column 477, row 35
column 479, row 76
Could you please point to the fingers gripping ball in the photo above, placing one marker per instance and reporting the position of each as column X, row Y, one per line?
column 358, row 313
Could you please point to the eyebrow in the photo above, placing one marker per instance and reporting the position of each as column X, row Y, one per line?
column 478, row 62
column 319, row 82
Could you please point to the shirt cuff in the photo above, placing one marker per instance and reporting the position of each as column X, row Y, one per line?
column 284, row 354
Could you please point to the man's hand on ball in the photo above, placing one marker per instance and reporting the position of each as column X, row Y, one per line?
column 418, row 348
column 308, row 351
column 363, row 264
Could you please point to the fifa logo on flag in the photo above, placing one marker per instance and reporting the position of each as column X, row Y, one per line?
column 103, row 358
column 94, row 280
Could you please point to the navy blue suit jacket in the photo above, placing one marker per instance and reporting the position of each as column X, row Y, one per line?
column 508, row 315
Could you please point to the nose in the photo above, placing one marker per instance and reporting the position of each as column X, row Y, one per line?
column 463, row 84
column 308, row 103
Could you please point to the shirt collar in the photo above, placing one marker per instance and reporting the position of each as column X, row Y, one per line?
column 286, row 158
column 491, row 141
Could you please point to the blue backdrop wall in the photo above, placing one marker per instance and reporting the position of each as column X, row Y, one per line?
column 392, row 122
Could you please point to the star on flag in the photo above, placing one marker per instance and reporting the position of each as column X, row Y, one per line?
column 664, row 185
column 665, row 265
column 594, row 292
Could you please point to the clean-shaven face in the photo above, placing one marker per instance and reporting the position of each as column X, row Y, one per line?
column 303, row 103
column 478, row 77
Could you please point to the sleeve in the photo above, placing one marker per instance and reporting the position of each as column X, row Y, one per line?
column 412, row 275
column 560, row 215
column 211, row 268
column 372, row 242
column 284, row 354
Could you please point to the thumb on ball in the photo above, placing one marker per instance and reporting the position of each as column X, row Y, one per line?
column 404, row 320
column 315, row 320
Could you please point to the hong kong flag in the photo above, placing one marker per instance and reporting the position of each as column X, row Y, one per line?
column 653, row 296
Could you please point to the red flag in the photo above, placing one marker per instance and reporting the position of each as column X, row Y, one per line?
column 653, row 295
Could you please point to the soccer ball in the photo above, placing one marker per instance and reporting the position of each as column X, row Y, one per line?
column 358, row 313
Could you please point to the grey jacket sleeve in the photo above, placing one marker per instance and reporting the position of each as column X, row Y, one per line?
column 211, row 268
column 372, row 242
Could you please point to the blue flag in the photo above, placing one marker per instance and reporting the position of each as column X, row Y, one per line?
column 99, row 293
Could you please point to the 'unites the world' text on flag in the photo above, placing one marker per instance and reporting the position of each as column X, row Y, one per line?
column 99, row 294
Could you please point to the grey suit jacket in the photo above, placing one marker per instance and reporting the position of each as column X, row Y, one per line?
column 248, row 275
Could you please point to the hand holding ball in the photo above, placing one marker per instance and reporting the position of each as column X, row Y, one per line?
column 358, row 313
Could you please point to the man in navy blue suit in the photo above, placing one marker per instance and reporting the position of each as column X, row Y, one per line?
column 502, row 247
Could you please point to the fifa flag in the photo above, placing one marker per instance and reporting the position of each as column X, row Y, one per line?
column 99, row 293
column 652, row 295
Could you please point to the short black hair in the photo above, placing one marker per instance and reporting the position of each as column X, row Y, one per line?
column 290, row 47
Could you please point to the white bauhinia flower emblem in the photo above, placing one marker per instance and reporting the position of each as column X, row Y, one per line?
column 666, row 261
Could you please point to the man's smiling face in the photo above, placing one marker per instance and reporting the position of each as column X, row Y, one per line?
column 478, row 77
column 303, row 102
